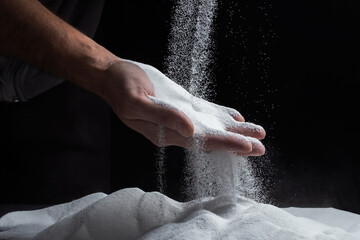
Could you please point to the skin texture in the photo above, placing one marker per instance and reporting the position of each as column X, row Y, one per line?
column 31, row 33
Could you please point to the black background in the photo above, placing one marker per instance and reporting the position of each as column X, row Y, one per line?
column 290, row 66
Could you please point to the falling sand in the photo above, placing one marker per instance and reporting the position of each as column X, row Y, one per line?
column 190, row 53
column 218, row 172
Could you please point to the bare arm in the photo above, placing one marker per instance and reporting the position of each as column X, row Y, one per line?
column 30, row 32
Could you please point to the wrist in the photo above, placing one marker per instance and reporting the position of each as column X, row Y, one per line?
column 86, row 64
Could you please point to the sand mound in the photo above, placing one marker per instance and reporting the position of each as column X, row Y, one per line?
column 132, row 214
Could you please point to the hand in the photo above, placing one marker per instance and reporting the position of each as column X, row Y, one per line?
column 241, row 138
column 131, row 94
column 127, row 91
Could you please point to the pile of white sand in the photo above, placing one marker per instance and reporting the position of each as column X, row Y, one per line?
column 134, row 214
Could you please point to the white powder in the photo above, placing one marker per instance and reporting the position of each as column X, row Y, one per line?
column 190, row 55
column 133, row 214
column 190, row 45
column 207, row 117
column 208, row 174
column 160, row 163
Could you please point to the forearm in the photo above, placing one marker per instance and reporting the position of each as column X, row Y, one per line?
column 30, row 32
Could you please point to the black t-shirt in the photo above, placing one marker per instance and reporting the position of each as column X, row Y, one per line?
column 20, row 81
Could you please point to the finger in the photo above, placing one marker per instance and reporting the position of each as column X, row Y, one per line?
column 160, row 136
column 258, row 148
column 239, row 118
column 229, row 142
column 248, row 129
column 233, row 113
column 164, row 114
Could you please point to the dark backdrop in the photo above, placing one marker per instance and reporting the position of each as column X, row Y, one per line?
column 291, row 66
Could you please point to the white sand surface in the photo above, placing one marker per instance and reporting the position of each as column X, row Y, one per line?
column 134, row 214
